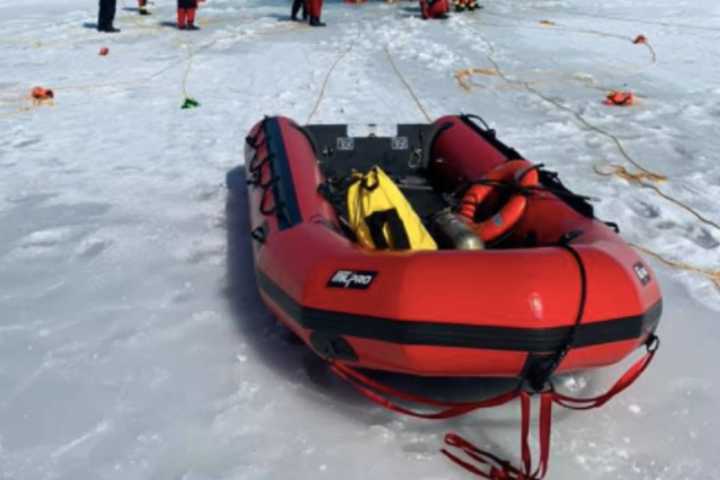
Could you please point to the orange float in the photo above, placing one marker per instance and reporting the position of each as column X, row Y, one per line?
column 41, row 94
column 619, row 98
column 518, row 175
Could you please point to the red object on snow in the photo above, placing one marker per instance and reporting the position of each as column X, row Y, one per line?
column 640, row 39
column 619, row 98
column 315, row 8
column 104, row 51
column 491, row 312
column 42, row 93
column 434, row 8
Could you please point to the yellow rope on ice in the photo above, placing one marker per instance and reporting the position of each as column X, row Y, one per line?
column 713, row 275
column 326, row 80
column 643, row 176
column 407, row 85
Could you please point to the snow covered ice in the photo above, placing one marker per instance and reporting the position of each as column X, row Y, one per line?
column 130, row 350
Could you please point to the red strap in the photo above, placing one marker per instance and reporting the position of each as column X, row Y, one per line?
column 628, row 378
column 498, row 469
column 487, row 465
column 380, row 394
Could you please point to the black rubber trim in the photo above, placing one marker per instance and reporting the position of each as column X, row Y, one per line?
column 458, row 335
column 308, row 136
column 431, row 140
column 284, row 189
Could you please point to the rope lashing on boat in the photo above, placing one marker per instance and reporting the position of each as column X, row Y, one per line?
column 540, row 372
column 255, row 169
column 482, row 463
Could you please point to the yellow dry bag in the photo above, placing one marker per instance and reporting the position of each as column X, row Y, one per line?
column 381, row 216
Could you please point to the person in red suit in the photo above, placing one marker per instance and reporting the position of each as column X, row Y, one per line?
column 142, row 7
column 315, row 10
column 186, row 10
column 434, row 8
column 311, row 8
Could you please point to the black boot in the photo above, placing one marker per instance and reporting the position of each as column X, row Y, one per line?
column 192, row 26
column 143, row 11
column 295, row 9
column 106, row 15
column 315, row 22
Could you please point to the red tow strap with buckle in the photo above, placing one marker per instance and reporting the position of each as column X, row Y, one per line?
column 480, row 462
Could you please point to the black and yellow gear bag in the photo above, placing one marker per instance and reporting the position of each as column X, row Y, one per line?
column 381, row 217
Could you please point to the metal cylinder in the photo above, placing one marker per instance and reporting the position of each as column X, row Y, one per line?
column 452, row 231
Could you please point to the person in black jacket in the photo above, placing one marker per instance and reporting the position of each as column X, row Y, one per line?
column 106, row 16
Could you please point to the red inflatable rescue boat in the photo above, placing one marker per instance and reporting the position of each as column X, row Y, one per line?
column 554, row 290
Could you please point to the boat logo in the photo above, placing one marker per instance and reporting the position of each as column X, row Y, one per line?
column 642, row 273
column 352, row 279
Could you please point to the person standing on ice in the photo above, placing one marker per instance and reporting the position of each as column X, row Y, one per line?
column 315, row 10
column 142, row 7
column 106, row 16
column 186, row 10
column 296, row 8
column 434, row 9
